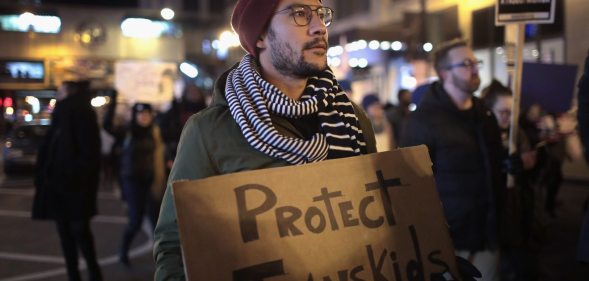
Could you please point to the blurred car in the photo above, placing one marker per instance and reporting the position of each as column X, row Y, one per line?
column 21, row 147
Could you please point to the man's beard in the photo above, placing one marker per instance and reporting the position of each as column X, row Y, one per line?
column 468, row 85
column 291, row 63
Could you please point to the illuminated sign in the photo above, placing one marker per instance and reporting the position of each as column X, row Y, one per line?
column 147, row 28
column 26, row 22
column 22, row 72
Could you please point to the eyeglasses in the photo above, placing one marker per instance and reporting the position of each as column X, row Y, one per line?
column 467, row 63
column 302, row 14
column 504, row 112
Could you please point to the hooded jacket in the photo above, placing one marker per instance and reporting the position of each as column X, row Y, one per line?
column 212, row 144
column 465, row 148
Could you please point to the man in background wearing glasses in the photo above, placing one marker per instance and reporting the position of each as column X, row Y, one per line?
column 279, row 106
column 464, row 144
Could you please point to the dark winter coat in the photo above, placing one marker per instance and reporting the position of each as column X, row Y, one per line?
column 465, row 148
column 68, row 164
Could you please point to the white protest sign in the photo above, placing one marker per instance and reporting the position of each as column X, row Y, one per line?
column 145, row 81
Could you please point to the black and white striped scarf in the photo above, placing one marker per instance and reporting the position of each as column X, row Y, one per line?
column 252, row 100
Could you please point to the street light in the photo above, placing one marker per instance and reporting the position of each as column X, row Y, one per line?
column 189, row 69
column 428, row 47
column 396, row 45
column 167, row 13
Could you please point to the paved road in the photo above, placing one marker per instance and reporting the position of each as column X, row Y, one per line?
column 29, row 250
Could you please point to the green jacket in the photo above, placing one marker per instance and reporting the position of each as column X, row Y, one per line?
column 212, row 144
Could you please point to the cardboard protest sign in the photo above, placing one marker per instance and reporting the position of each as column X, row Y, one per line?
column 371, row 217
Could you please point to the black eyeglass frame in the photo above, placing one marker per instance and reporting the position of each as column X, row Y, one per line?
column 467, row 63
column 291, row 8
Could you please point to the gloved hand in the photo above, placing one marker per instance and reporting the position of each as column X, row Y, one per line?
column 513, row 164
column 468, row 271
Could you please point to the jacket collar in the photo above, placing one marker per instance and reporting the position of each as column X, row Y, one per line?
column 219, row 90
column 437, row 97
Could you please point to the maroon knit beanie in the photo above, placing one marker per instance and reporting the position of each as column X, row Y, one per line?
column 249, row 20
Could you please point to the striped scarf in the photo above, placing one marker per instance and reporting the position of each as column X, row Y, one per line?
column 252, row 101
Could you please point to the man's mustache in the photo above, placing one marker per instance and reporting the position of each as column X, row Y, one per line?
column 316, row 43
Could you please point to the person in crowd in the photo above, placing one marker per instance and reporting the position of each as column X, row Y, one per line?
column 516, row 207
column 397, row 114
column 67, row 176
column 286, row 68
column 499, row 100
column 141, row 169
column 548, row 132
column 583, row 119
column 172, row 121
column 552, row 174
column 465, row 147
column 382, row 129
column 530, row 118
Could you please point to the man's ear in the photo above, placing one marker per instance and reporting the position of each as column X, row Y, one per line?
column 261, row 42
column 443, row 74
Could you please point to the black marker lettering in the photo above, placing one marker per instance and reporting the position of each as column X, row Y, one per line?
column 326, row 197
column 310, row 214
column 286, row 222
column 366, row 221
column 259, row 272
column 247, row 217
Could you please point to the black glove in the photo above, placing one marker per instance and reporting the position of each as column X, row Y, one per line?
column 466, row 269
column 513, row 164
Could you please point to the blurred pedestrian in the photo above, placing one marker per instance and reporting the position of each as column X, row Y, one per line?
column 141, row 170
column 172, row 121
column 516, row 204
column 382, row 129
column 67, row 176
column 465, row 147
column 552, row 174
column 396, row 114
column 583, row 118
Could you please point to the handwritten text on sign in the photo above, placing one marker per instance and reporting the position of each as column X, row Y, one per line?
column 374, row 217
